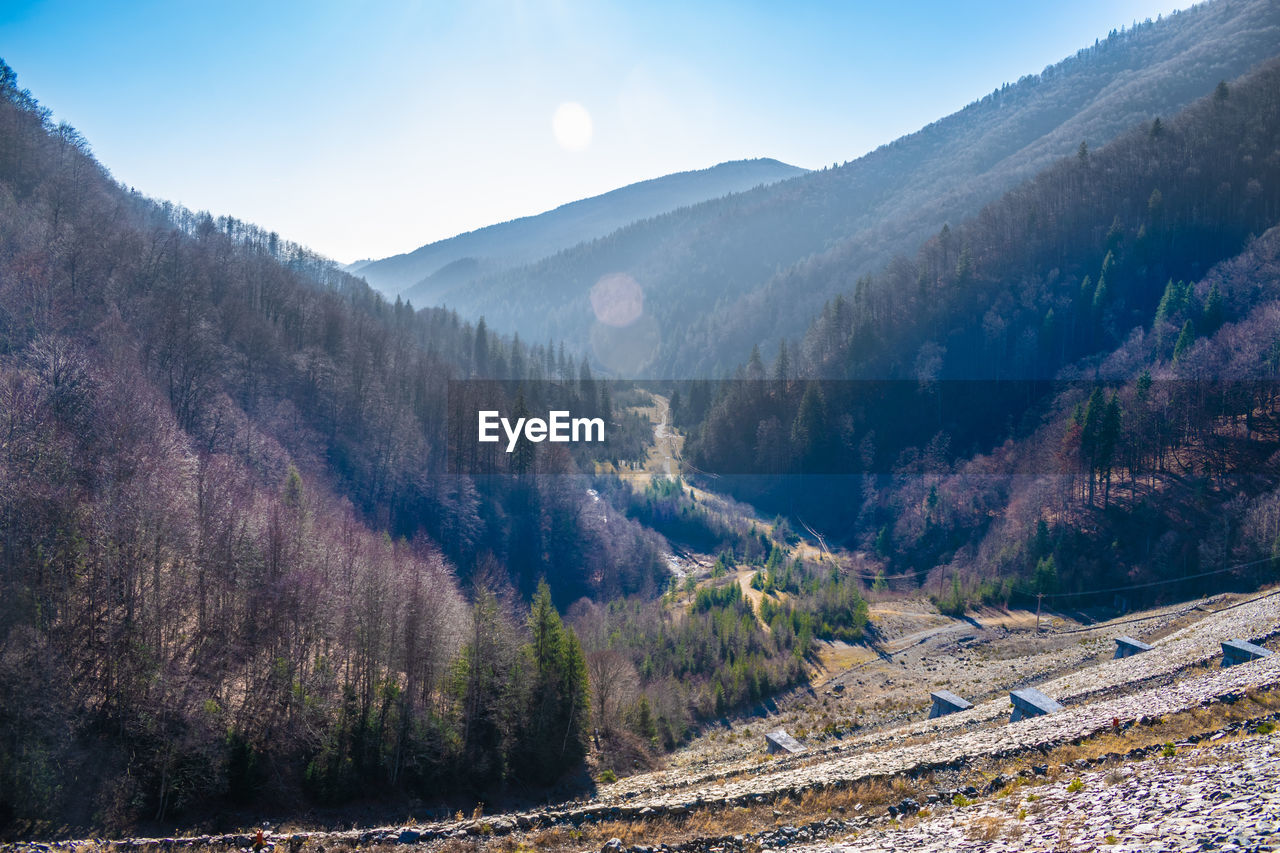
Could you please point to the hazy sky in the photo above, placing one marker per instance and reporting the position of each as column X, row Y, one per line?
column 364, row 130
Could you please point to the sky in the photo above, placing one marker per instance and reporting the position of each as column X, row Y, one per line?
column 368, row 129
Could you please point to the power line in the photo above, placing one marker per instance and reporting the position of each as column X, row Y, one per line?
column 1227, row 570
column 1156, row 583
column 1182, row 612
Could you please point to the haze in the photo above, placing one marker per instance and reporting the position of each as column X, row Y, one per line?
column 367, row 132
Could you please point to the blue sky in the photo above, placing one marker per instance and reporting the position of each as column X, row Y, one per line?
column 364, row 130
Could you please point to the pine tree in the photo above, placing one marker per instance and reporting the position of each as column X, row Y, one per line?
column 755, row 365
column 809, row 437
column 1168, row 304
column 1214, row 311
column 964, row 266
column 782, row 368
column 554, row 733
column 1100, row 295
column 1040, row 544
column 1046, row 576
column 883, row 543
column 1144, row 386
column 1094, row 413
column 606, row 403
column 1185, row 340
column 1108, row 439
column 643, row 723
column 480, row 352
column 522, row 459
column 486, row 684
column 293, row 493
column 1086, row 290
column 590, row 402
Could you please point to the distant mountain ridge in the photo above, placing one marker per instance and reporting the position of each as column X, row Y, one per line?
column 529, row 238
column 725, row 275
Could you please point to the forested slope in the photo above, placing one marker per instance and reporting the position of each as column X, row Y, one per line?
column 1070, row 392
column 206, row 436
column 242, row 574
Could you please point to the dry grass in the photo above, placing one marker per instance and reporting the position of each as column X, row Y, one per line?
column 810, row 806
column 835, row 658
column 458, row 845
column 1115, row 776
column 986, row 828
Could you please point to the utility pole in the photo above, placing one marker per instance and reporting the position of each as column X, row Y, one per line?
column 1039, row 599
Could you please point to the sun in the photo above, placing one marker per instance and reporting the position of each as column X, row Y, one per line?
column 572, row 126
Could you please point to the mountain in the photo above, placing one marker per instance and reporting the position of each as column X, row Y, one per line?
column 529, row 238
column 243, row 573
column 724, row 275
column 232, row 550
column 1069, row 392
column 250, row 558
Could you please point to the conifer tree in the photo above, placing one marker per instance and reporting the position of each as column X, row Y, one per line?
column 558, row 699
column 1185, row 340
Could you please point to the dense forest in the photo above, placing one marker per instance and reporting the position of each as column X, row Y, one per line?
column 1070, row 392
column 239, row 568
column 252, row 560
column 756, row 267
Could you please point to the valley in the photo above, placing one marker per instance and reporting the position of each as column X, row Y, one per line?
column 760, row 447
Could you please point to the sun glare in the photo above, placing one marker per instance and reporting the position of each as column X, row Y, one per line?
column 572, row 126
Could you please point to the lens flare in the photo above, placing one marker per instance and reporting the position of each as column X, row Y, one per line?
column 617, row 300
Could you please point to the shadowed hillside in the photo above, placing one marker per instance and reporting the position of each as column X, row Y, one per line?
column 1072, row 391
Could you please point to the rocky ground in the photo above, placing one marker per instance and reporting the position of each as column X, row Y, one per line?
column 1219, row 797
column 966, row 781
column 1081, row 661
column 981, row 657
